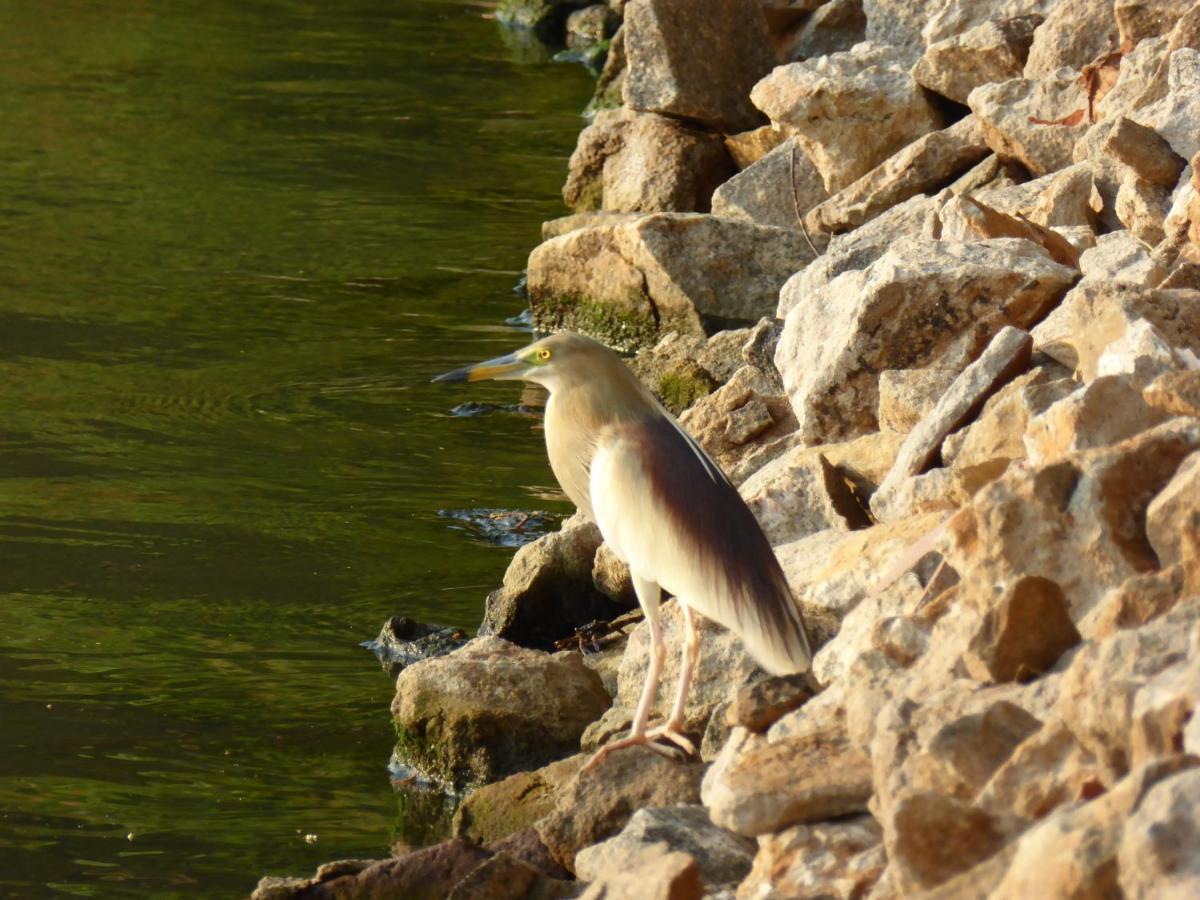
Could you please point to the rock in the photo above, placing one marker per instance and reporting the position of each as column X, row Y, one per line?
column 1075, row 33
column 981, row 452
column 630, row 283
column 1175, row 512
column 1007, row 112
column 1078, row 521
column 995, row 50
column 574, row 222
column 842, row 859
column 1005, row 357
column 1145, row 152
column 1162, row 710
column 757, row 787
column 1136, row 601
column 547, row 591
column 697, row 60
column 1098, row 414
column 546, row 18
column 1046, row 770
column 748, row 147
column 723, row 667
column 403, row 641
column 797, row 496
column 1023, row 633
column 1141, row 207
column 907, row 395
column 1095, row 315
column 722, row 857
column 937, row 836
column 427, row 874
column 740, row 417
column 758, row 706
column 1142, row 80
column 1155, row 857
column 491, row 709
column 610, row 575
column 504, row 878
column 527, row 846
column 591, row 25
column 1061, row 199
column 610, row 86
column 1176, row 392
column 641, row 162
column 924, row 166
column 957, row 16
column 1120, row 257
column 849, row 111
column 495, row 811
column 1072, row 852
column 898, row 23
column 776, row 190
column 1174, row 116
column 835, row 343
column 1141, row 19
column 833, row 27
column 596, row 804
column 653, row 875
column 966, row 219
column 1124, row 663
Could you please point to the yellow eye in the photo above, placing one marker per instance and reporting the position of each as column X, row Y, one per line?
column 543, row 355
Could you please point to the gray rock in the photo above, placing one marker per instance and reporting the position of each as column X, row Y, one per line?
column 723, row 857
column 491, row 709
column 991, row 51
column 898, row 23
column 403, row 641
column 1156, row 857
column 955, row 17
column 850, row 111
column 697, row 59
column 1121, row 257
column 833, row 27
column 773, row 190
column 955, row 298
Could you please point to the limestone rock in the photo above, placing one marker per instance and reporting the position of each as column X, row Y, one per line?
column 849, row 111
column 772, row 190
column 1064, row 198
column 800, row 497
column 1162, row 710
column 641, row 162
column 1075, row 33
column 1120, row 257
column 495, row 811
column 491, row 709
column 628, row 284
column 923, row 166
column 759, row 787
column 1144, row 152
column 1142, row 208
column 758, row 706
column 722, row 857
column 995, row 50
column 1174, row 116
column 1136, row 601
column 654, row 874
column 842, row 859
column 898, row 23
column 1007, row 112
column 957, row 16
column 547, row 591
column 1100, row 413
column 1005, row 357
column 1156, row 857
column 748, row 147
column 1023, row 633
column 833, row 27
column 697, row 60
column 1046, row 770
column 1141, row 19
column 596, row 804
column 907, row 395
column 1175, row 512
column 1176, row 392
column 835, row 343
column 937, row 836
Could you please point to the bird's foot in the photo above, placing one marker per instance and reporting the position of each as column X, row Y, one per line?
column 677, row 747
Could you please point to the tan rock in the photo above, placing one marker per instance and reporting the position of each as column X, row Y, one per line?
column 907, row 395
column 1061, row 199
column 1175, row 512
column 898, row 23
column 1075, row 33
column 1174, row 116
column 1047, row 770
column 833, row 27
column 596, row 804
column 850, row 111
column 923, row 166
column 748, row 147
column 1142, row 208
column 776, row 190
column 1102, row 412
column 881, row 621
column 1176, row 392
column 1006, row 356
column 1010, row 112
column 1023, row 633
column 765, row 787
column 841, row 859
column 800, row 494
column 937, row 837
column 552, row 228
column 995, row 50
column 653, row 874
column 1141, row 19
column 1156, row 857
column 834, row 345
column 1144, row 152
column 758, row 706
column 1136, row 601
column 957, row 16
column 697, row 61
column 1162, row 710
column 1121, row 258
column 497, row 810
column 641, row 162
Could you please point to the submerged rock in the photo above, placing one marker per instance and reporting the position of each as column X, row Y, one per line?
column 403, row 641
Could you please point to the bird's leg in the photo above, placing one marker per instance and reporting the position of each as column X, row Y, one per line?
column 689, row 653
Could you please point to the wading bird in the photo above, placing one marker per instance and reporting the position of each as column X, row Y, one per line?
column 663, row 506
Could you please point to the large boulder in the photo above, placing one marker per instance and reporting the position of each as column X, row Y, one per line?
column 697, row 59
column 627, row 284
column 849, row 111
column 491, row 709
column 922, row 301
column 641, row 162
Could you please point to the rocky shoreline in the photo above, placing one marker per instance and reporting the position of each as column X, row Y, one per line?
column 924, row 278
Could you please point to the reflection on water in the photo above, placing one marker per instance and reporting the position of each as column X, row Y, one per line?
column 235, row 241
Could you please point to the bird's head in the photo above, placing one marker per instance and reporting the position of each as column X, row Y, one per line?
column 549, row 362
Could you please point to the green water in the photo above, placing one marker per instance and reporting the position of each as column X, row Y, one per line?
column 235, row 241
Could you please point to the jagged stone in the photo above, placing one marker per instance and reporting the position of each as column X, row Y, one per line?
column 1144, row 151
column 748, row 147
column 1012, row 112
column 995, row 50
column 850, row 111
column 1176, row 392
column 1023, row 633
column 842, row 859
column 1141, row 19
column 1155, row 858
column 957, row 16
column 654, row 874
column 1075, row 33
column 800, row 496
column 907, row 395
column 1175, row 512
column 833, row 27
column 495, row 811
column 778, row 189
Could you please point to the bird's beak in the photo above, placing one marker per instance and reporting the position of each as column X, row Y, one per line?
column 500, row 368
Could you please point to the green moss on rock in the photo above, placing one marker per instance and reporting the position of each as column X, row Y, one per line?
column 610, row 323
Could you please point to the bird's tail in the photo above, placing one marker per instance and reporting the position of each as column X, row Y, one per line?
column 778, row 640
